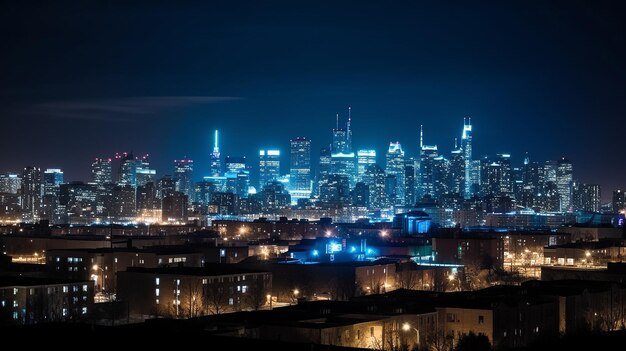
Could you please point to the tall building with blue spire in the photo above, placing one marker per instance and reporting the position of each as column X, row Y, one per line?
column 216, row 161
column 466, row 145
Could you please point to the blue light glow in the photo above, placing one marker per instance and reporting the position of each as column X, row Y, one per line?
column 316, row 253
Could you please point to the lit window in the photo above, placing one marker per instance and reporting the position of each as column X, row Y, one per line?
column 15, row 304
column 481, row 319
column 85, row 287
column 14, row 291
column 204, row 281
column 231, row 301
column 238, row 287
column 115, row 259
column 244, row 289
column 84, row 310
column 64, row 312
column 65, row 288
column 157, row 301
column 15, row 315
column 157, row 291
column 157, row 281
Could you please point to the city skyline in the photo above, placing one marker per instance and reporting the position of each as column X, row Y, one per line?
column 532, row 86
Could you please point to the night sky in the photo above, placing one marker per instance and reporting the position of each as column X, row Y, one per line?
column 87, row 78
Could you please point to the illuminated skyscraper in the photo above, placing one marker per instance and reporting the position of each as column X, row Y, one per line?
column 183, row 174
column 342, row 160
column 10, row 183
column 32, row 192
column 143, row 173
column 466, row 145
column 457, row 172
column 52, row 179
column 427, row 155
column 235, row 164
column 564, row 179
column 586, row 197
column 324, row 168
column 506, row 178
column 365, row 158
column 440, row 176
column 410, row 184
column 216, row 161
column 300, row 166
column 375, row 179
column 395, row 166
column 102, row 171
column 269, row 166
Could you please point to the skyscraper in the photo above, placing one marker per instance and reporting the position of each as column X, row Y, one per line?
column 102, row 171
column 364, row 157
column 342, row 160
column 10, row 183
column 300, row 169
column 235, row 164
column 216, row 161
column 564, row 178
column 269, row 166
column 32, row 192
column 183, row 174
column 466, row 145
column 395, row 166
column 323, row 170
column 586, row 197
column 458, row 173
column 440, row 176
column 410, row 175
column 427, row 155
column 375, row 179
column 143, row 173
column 52, row 179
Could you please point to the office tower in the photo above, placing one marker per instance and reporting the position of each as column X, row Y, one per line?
column 586, row 197
column 440, row 177
column 343, row 164
column 102, row 171
column 618, row 201
column 174, row 208
column 300, row 168
column 10, row 183
column 491, row 173
column 166, row 186
column 395, row 166
column 427, row 155
column 269, row 166
column 471, row 182
column 123, row 207
column 361, row 195
column 531, row 176
column 223, row 203
column 410, row 184
column 324, row 166
column 549, row 199
column 143, row 173
column 506, row 175
column 549, row 171
column 391, row 189
column 564, row 178
column 216, row 161
column 78, row 203
column 183, row 174
column 457, row 173
column 274, row 197
column 203, row 192
column 127, row 168
column 235, row 164
column 52, row 179
column 375, row 179
column 147, row 199
column 365, row 158
column 475, row 174
column 31, row 193
column 336, row 190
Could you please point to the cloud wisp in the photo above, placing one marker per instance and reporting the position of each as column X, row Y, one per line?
column 120, row 109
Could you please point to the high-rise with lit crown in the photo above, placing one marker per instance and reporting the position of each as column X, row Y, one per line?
column 395, row 167
column 300, row 168
column 466, row 146
column 269, row 166
column 216, row 161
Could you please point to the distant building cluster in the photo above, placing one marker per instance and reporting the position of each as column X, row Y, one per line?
column 346, row 184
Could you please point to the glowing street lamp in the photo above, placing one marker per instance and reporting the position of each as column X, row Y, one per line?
column 407, row 327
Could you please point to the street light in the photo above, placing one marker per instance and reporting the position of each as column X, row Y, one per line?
column 95, row 268
column 407, row 327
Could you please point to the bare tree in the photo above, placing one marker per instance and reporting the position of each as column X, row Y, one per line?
column 437, row 339
column 256, row 296
column 191, row 298
column 216, row 298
